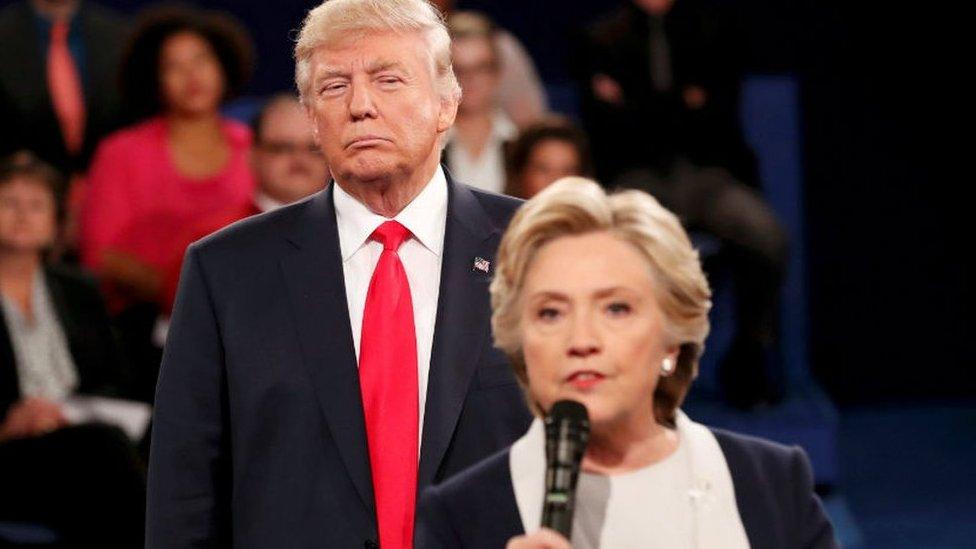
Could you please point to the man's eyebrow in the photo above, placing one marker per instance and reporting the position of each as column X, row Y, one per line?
column 381, row 65
column 331, row 72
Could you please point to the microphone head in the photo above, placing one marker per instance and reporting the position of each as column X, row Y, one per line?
column 569, row 410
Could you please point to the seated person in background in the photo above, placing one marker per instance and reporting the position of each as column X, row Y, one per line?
column 520, row 91
column 661, row 78
column 601, row 299
column 288, row 166
column 58, row 79
column 475, row 151
column 754, row 250
column 84, row 481
column 548, row 150
column 182, row 164
column 59, row 94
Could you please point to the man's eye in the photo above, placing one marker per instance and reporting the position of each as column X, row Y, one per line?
column 332, row 88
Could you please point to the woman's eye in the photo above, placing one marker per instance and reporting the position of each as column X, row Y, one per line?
column 619, row 308
column 548, row 313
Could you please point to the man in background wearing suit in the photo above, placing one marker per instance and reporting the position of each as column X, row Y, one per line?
column 58, row 81
column 330, row 358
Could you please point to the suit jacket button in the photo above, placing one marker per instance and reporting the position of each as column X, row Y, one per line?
column 370, row 544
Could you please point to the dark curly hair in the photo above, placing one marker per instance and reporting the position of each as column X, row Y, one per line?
column 552, row 127
column 139, row 75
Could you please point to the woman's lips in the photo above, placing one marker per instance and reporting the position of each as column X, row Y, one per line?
column 585, row 379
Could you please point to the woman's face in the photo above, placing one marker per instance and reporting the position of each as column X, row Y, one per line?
column 28, row 216
column 190, row 75
column 549, row 160
column 476, row 68
column 592, row 330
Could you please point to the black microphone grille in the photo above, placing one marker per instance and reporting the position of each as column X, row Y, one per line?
column 568, row 410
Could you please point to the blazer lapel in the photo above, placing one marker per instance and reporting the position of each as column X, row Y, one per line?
column 316, row 289
column 461, row 329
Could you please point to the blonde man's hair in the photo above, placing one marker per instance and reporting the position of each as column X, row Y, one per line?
column 576, row 206
column 334, row 19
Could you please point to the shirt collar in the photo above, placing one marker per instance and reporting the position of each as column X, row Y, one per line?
column 265, row 203
column 502, row 129
column 424, row 217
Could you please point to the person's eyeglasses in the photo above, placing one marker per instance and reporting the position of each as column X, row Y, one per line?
column 286, row 147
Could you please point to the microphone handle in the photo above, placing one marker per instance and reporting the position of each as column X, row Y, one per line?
column 558, row 516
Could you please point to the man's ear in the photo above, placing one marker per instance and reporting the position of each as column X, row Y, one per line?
column 447, row 113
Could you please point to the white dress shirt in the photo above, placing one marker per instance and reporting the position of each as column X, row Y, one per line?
column 487, row 170
column 425, row 217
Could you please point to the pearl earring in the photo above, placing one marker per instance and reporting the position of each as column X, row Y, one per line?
column 667, row 366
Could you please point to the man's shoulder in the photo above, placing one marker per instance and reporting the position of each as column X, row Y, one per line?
column 499, row 207
column 255, row 235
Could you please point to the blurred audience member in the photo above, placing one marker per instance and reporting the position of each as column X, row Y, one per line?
column 288, row 166
column 475, row 153
column 754, row 248
column 520, row 91
column 58, row 79
column 55, row 340
column 662, row 79
column 182, row 164
column 548, row 150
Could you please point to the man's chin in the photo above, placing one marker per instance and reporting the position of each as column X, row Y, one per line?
column 368, row 170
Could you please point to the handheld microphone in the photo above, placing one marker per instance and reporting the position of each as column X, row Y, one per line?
column 567, row 432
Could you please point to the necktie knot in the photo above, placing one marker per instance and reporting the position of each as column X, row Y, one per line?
column 391, row 234
column 59, row 31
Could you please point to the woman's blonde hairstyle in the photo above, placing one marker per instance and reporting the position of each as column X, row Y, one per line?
column 575, row 206
column 335, row 19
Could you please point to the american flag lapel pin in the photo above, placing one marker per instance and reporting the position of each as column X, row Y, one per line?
column 481, row 264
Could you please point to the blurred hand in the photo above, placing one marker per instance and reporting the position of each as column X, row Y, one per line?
column 138, row 279
column 542, row 539
column 607, row 89
column 31, row 417
column 695, row 97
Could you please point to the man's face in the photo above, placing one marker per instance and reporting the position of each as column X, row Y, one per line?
column 655, row 7
column 376, row 108
column 287, row 162
column 477, row 70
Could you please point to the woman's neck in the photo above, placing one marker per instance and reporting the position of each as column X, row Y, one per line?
column 18, row 267
column 473, row 131
column 628, row 445
column 194, row 126
column 17, row 270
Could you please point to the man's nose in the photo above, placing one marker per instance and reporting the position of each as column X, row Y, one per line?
column 361, row 104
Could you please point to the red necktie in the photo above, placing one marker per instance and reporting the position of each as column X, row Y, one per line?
column 64, row 85
column 388, row 380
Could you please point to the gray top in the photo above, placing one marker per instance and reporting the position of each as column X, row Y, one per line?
column 648, row 507
column 43, row 359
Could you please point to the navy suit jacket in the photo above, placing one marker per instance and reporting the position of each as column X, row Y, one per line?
column 773, row 492
column 258, row 435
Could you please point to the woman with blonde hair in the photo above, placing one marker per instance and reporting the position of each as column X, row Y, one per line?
column 601, row 299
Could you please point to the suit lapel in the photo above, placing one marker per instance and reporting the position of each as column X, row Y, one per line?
column 316, row 289
column 461, row 329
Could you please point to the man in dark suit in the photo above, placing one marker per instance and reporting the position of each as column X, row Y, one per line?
column 42, row 104
column 328, row 359
column 661, row 79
